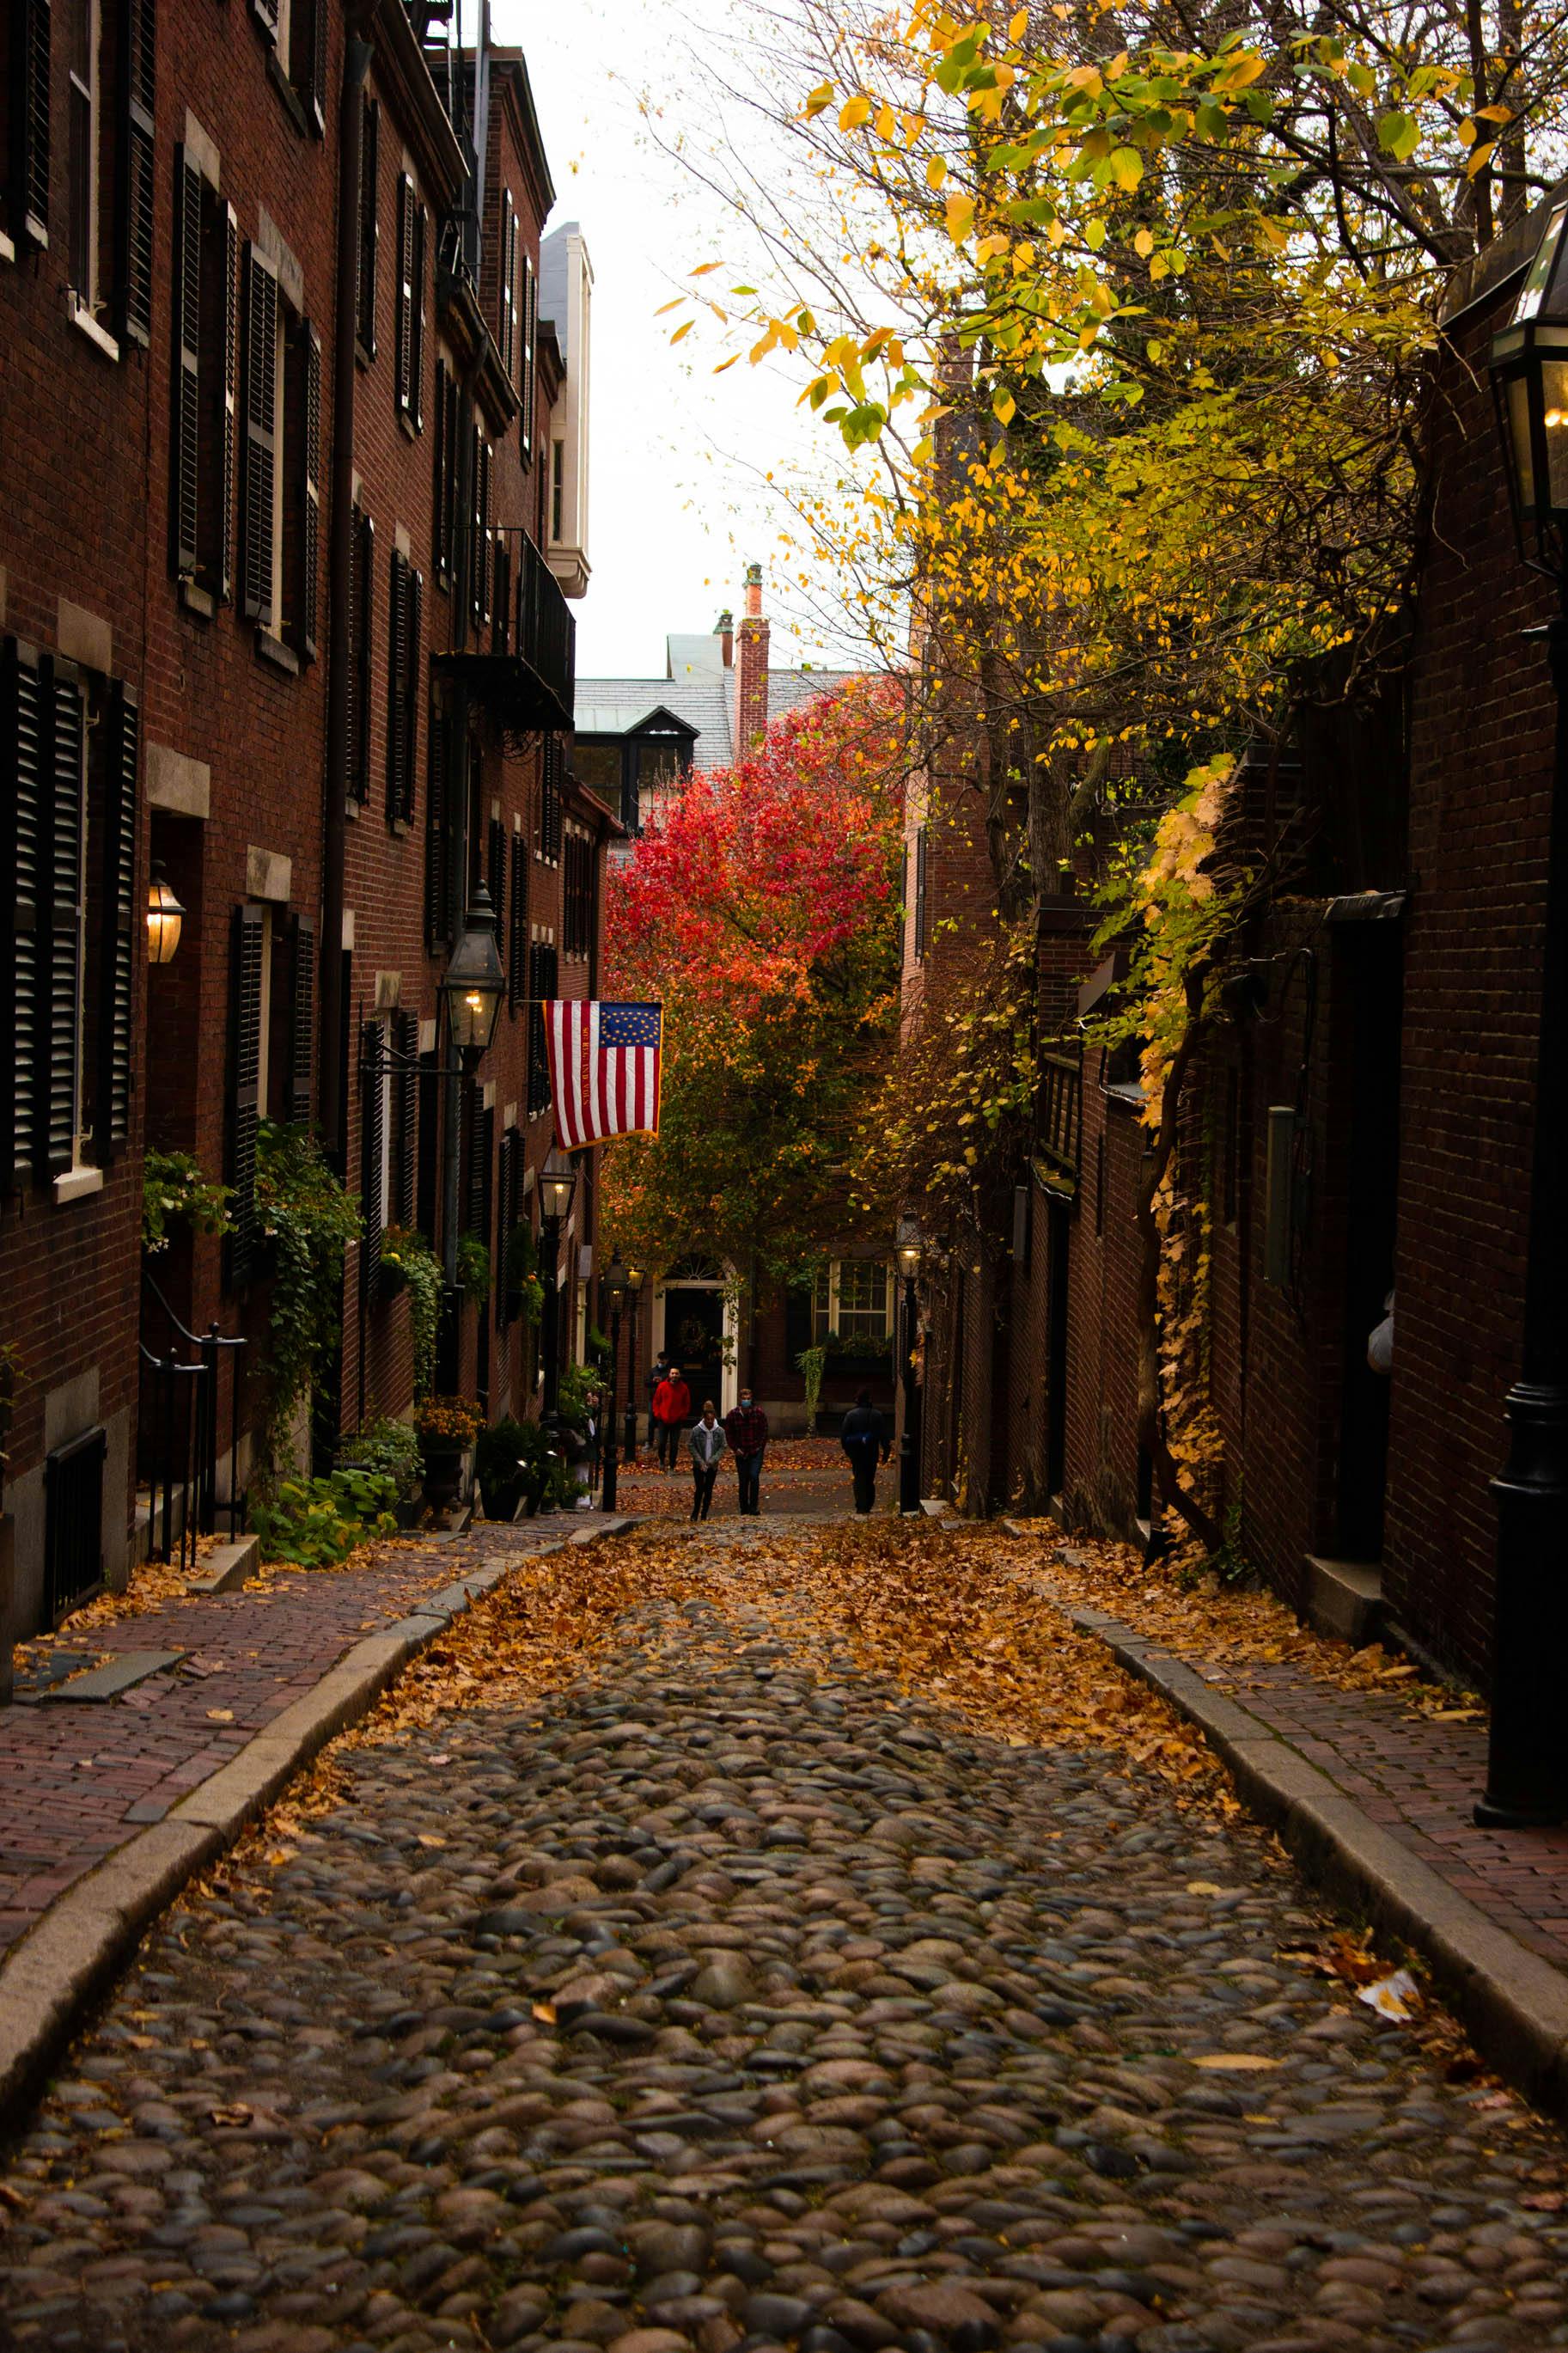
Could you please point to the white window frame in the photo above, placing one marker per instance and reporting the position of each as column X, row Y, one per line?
column 85, row 300
column 827, row 1301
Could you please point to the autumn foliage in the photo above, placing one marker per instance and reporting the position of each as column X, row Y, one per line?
column 762, row 908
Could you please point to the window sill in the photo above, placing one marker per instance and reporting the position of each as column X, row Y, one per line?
column 409, row 425
column 292, row 107
column 197, row 600
column 272, row 650
column 82, row 318
column 75, row 1183
column 364, row 356
column 7, row 250
column 399, row 827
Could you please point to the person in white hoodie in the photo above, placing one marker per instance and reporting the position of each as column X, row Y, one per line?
column 706, row 1439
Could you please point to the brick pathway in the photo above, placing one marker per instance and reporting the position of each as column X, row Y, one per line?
column 77, row 1779
column 1417, row 1779
column 802, row 1479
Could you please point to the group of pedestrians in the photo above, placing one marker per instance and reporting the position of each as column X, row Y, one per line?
column 743, row 1433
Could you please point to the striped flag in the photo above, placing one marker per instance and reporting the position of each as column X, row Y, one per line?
column 604, row 1070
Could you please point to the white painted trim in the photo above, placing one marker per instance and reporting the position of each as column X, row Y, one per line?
column 75, row 1183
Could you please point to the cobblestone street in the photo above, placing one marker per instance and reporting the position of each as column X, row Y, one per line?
column 730, row 1996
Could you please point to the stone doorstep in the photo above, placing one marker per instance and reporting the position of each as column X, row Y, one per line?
column 229, row 1567
column 116, row 1675
column 1344, row 1598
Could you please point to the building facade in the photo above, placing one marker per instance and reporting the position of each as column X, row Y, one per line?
column 280, row 629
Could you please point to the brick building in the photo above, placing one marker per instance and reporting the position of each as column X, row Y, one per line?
column 1359, row 1123
column 279, row 611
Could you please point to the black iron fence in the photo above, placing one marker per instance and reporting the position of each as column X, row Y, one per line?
column 179, row 1426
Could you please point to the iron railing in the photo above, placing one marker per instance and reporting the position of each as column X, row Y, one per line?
column 179, row 1433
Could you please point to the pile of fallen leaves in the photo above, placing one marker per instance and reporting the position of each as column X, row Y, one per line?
column 1200, row 1617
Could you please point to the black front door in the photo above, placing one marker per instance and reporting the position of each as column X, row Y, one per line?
column 694, row 1335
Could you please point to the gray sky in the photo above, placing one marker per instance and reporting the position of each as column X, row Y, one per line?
column 678, row 505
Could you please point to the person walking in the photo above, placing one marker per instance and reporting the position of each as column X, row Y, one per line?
column 592, row 1430
column 746, row 1428
column 863, row 1436
column 651, row 1379
column 671, row 1404
column 706, row 1440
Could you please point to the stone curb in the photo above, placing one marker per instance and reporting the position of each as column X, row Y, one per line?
column 1514, row 2003
column 72, row 1954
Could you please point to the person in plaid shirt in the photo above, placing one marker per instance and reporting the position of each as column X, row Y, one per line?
column 746, row 1428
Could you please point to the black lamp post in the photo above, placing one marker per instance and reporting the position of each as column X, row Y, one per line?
column 614, row 1295
column 1527, row 1763
column 557, row 1183
column 634, row 1299
column 908, row 1258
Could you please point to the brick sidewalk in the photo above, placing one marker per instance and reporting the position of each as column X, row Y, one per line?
column 77, row 1779
column 1416, row 1777
column 802, row 1479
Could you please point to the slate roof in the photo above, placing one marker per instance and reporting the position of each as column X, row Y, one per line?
column 619, row 706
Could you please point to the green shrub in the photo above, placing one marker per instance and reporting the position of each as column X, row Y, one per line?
column 175, row 1192
column 473, row 1267
column 315, row 1522
column 390, row 1448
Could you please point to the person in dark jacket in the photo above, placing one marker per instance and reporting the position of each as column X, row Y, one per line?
column 651, row 1379
column 746, row 1428
column 864, row 1438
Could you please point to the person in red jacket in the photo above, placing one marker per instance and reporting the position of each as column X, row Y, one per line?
column 746, row 1428
column 671, row 1406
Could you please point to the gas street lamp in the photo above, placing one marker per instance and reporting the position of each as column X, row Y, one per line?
column 557, row 1183
column 909, row 1263
column 1526, row 1761
column 615, row 1299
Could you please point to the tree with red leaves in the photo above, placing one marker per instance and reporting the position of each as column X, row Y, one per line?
column 762, row 910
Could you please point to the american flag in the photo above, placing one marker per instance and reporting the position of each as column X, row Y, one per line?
column 604, row 1070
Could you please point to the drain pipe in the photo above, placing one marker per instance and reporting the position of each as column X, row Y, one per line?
column 339, row 559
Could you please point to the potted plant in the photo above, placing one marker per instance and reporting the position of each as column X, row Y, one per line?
column 473, row 1268
column 392, row 1449
column 446, row 1428
column 499, row 1466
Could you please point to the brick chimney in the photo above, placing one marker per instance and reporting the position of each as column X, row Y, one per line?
column 724, row 630
column 751, row 668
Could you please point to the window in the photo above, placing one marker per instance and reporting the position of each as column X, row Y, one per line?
column 852, row 1300
column 495, row 872
column 412, row 233
column 403, row 628
column 82, row 33
column 203, row 409
column 557, row 491
column 482, row 533
column 362, row 598
column 136, row 189
column 69, row 935
column 445, row 517
column 403, row 1150
column 577, row 894
column 517, row 935
column 376, row 1167
column 509, row 337
column 598, row 765
column 542, row 983
column 528, row 324
column 296, row 31
column 437, row 831
column 282, row 389
column 369, row 228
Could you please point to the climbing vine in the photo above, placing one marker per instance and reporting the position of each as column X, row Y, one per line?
column 413, row 1263
column 310, row 1220
column 174, row 1191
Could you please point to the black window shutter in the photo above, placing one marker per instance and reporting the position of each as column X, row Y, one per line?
column 117, row 979
column 30, row 73
column 496, row 877
column 396, row 696
column 517, row 944
column 504, row 1234
column 481, row 1160
column 413, row 635
column 301, row 1023
column 244, row 1094
column 425, row 1167
column 61, row 912
column 360, row 617
column 441, row 515
column 260, row 436
column 372, row 1139
column 538, row 1070
column 435, row 845
column 137, row 190
column 417, row 359
column 921, row 894
column 369, row 225
column 22, row 752
column 185, row 407
column 500, row 641
column 222, row 583
column 405, row 1139
column 797, row 1321
column 309, row 490
column 404, row 331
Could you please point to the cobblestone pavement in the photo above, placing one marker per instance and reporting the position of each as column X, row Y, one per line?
column 77, row 1781
column 733, row 1999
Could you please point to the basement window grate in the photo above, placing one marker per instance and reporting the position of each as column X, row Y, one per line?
column 73, row 1523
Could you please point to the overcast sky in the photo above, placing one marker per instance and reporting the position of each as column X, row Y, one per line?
column 679, row 501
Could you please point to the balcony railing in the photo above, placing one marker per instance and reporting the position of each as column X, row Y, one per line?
column 527, row 681
column 1059, row 1117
